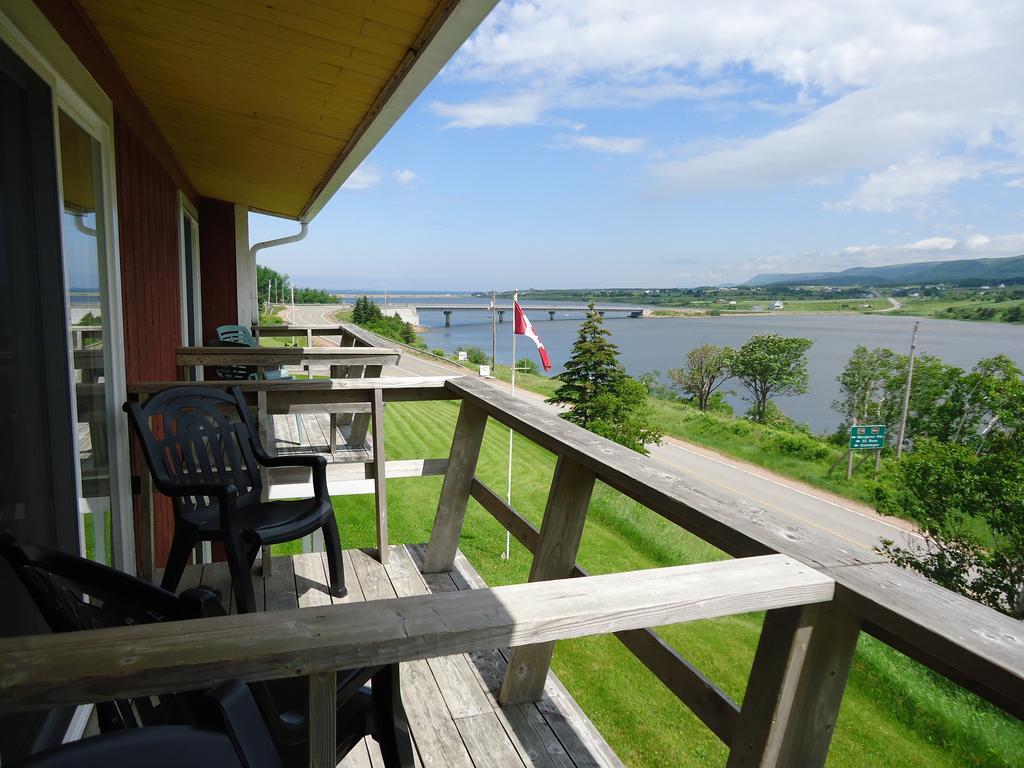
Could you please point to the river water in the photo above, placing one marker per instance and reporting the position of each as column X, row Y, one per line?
column 662, row 343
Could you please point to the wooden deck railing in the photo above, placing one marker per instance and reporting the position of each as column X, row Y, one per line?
column 46, row 671
column 803, row 656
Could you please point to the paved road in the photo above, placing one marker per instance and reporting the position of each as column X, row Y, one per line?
column 807, row 505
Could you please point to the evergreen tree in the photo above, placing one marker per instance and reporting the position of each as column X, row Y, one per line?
column 600, row 396
column 361, row 311
column 592, row 370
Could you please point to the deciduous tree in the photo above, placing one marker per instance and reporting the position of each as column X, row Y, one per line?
column 771, row 365
column 705, row 370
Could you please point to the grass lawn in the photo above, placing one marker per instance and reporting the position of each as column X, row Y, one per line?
column 802, row 458
column 927, row 307
column 895, row 714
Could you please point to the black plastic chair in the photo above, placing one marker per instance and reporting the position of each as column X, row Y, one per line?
column 203, row 451
column 72, row 594
column 237, row 737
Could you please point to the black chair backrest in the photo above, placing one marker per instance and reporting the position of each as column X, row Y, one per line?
column 238, row 738
column 198, row 435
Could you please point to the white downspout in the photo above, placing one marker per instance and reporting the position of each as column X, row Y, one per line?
column 300, row 235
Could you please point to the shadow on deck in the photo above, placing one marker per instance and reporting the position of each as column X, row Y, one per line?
column 451, row 701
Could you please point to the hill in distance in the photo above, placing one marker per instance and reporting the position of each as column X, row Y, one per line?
column 950, row 272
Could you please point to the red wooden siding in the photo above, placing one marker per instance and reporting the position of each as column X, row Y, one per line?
column 148, row 230
column 217, row 264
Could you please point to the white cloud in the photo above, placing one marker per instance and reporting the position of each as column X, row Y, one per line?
column 614, row 145
column 404, row 176
column 365, row 176
column 909, row 184
column 519, row 109
column 934, row 244
column 915, row 113
column 904, row 98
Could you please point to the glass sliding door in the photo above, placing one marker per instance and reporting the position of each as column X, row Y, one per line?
column 37, row 473
column 89, row 332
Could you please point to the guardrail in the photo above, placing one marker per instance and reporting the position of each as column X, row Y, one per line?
column 100, row 665
column 803, row 656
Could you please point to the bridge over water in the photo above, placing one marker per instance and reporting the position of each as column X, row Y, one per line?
column 410, row 312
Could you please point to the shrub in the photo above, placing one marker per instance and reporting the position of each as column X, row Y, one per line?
column 438, row 351
column 526, row 365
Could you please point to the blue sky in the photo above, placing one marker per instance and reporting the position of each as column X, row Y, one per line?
column 593, row 143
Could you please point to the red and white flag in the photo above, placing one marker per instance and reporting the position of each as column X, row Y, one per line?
column 524, row 327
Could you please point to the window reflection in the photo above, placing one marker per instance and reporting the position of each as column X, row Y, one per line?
column 84, row 249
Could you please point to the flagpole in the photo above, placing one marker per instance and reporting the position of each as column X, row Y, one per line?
column 508, row 490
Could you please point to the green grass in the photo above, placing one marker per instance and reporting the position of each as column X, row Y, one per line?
column 530, row 381
column 895, row 714
column 805, row 458
column 801, row 457
column 928, row 307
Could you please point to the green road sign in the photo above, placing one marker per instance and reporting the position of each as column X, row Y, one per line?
column 867, row 437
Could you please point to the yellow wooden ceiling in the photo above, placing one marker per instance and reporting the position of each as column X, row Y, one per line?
column 259, row 100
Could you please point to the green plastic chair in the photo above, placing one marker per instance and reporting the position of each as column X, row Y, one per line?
column 239, row 334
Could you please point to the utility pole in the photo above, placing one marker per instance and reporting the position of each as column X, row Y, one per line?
column 906, row 393
column 494, row 332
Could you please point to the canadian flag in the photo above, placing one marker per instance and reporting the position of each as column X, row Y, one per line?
column 524, row 327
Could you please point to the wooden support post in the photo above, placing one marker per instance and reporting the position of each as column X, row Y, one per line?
column 323, row 693
column 145, row 544
column 338, row 419
column 361, row 421
column 458, row 481
column 262, row 424
column 555, row 558
column 380, row 488
column 849, row 466
column 795, row 688
column 332, row 440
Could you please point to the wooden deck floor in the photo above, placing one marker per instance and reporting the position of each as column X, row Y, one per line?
column 451, row 701
column 310, row 433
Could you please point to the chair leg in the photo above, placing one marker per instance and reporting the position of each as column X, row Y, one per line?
column 390, row 721
column 241, row 578
column 335, row 565
column 177, row 559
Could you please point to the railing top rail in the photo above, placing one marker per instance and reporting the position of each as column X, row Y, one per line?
column 274, row 356
column 971, row 644
column 46, row 671
column 426, row 384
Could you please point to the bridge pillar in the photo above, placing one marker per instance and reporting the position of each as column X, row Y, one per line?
column 501, row 315
column 551, row 314
column 447, row 318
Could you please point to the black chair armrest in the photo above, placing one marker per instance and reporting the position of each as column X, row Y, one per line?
column 220, row 492
column 300, row 460
column 318, row 464
column 202, row 602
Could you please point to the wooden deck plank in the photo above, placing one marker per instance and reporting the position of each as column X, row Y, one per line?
column 487, row 742
column 451, row 701
column 455, row 678
column 435, row 734
column 574, row 730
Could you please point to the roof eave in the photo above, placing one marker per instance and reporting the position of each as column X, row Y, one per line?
column 441, row 37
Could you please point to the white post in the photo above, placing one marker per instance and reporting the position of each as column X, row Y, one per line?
column 906, row 393
column 508, row 490
column 291, row 317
